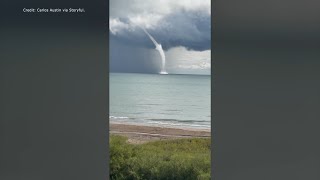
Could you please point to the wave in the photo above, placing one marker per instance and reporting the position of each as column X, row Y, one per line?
column 162, row 122
column 179, row 124
column 118, row 117
column 180, row 120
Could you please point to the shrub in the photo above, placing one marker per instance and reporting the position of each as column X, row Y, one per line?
column 160, row 160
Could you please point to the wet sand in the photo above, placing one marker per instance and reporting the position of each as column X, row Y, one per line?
column 141, row 134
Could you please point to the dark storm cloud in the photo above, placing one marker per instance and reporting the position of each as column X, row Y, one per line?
column 191, row 29
column 179, row 23
column 129, row 58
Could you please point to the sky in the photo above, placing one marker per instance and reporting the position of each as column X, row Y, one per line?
column 182, row 27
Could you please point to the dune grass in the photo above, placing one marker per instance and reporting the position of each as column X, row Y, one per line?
column 180, row 159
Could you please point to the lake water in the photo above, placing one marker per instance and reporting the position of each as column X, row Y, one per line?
column 161, row 100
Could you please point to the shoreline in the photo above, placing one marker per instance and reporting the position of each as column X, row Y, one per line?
column 138, row 134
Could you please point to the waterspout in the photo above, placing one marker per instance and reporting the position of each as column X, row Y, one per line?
column 161, row 52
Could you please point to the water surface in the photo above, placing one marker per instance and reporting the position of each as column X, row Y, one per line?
column 160, row 100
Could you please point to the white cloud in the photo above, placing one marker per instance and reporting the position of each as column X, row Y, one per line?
column 117, row 26
column 181, row 60
column 201, row 65
column 125, row 8
column 146, row 20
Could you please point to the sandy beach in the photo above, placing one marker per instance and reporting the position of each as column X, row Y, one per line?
column 141, row 134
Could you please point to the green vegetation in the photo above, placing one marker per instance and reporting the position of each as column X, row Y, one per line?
column 180, row 159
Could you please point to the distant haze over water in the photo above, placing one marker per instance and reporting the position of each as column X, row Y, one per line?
column 161, row 100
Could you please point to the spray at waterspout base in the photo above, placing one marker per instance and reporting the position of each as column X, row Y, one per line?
column 163, row 72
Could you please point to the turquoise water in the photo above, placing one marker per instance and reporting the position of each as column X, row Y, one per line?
column 160, row 100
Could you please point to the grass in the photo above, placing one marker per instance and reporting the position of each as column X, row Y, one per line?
column 180, row 159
